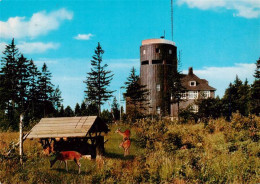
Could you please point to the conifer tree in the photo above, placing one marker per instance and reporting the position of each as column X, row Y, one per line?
column 255, row 91
column 23, row 76
column 115, row 109
column 9, row 79
column 33, row 88
column 45, row 90
column 77, row 110
column 68, row 112
column 98, row 79
column 56, row 98
column 136, row 94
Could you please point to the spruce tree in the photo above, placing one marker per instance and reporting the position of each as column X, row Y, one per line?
column 115, row 109
column 77, row 110
column 255, row 91
column 9, row 80
column 34, row 88
column 23, row 75
column 68, row 112
column 56, row 98
column 45, row 90
column 98, row 79
column 136, row 94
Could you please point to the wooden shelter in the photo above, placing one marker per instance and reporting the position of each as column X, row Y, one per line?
column 83, row 134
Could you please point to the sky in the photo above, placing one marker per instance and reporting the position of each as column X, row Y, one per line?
column 218, row 38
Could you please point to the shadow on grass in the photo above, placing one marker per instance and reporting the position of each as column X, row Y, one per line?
column 119, row 156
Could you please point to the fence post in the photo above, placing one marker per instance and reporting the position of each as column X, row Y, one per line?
column 21, row 138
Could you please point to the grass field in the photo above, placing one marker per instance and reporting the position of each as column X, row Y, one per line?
column 161, row 152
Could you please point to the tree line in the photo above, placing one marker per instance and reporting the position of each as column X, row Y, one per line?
column 25, row 89
column 239, row 97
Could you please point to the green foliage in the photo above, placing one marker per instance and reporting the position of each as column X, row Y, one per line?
column 106, row 116
column 98, row 80
column 172, row 152
column 136, row 95
column 115, row 109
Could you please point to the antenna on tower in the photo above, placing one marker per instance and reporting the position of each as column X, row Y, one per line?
column 172, row 17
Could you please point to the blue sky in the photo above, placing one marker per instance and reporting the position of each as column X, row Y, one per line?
column 218, row 38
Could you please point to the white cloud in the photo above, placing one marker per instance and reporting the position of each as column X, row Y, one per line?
column 221, row 77
column 83, row 36
column 36, row 47
column 242, row 8
column 39, row 24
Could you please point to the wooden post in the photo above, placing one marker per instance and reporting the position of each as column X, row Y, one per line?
column 21, row 138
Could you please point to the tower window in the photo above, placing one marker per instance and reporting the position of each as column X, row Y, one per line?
column 145, row 62
column 157, row 61
column 144, row 52
column 168, row 62
column 157, row 50
column 170, row 51
column 158, row 87
column 158, row 110
column 192, row 83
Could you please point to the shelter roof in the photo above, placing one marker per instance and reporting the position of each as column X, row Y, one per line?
column 67, row 127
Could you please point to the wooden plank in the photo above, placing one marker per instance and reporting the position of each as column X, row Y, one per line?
column 64, row 124
column 69, row 119
column 57, row 135
column 57, row 132
column 59, row 128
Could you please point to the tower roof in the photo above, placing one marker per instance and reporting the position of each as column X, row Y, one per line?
column 157, row 40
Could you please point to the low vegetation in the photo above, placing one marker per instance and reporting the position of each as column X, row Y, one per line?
column 161, row 151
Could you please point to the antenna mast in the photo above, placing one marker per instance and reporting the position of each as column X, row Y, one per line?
column 172, row 17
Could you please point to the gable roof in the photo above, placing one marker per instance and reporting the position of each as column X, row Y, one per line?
column 67, row 127
column 201, row 84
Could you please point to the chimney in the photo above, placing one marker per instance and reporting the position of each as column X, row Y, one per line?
column 190, row 71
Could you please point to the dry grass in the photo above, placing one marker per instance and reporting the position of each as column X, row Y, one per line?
column 161, row 152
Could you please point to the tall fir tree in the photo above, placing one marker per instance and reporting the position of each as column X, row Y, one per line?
column 98, row 80
column 136, row 94
column 34, row 90
column 255, row 91
column 9, row 80
column 45, row 90
column 22, row 89
column 115, row 109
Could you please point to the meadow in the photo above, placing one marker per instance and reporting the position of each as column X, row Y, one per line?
column 162, row 151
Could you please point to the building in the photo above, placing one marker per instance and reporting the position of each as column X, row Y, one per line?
column 82, row 134
column 195, row 88
column 157, row 58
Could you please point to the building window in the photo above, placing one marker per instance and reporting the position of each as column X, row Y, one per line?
column 158, row 110
column 193, row 94
column 183, row 95
column 158, row 87
column 205, row 94
column 195, row 108
column 170, row 51
column 145, row 62
column 157, row 50
column 144, row 52
column 192, row 83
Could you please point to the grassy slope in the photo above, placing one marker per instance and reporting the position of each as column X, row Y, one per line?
column 219, row 152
